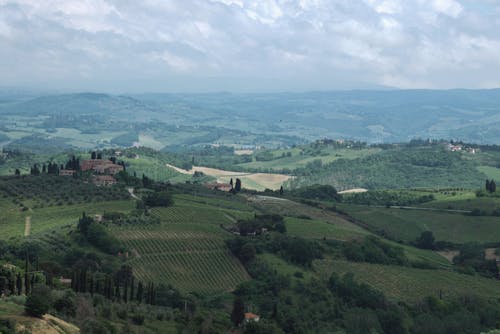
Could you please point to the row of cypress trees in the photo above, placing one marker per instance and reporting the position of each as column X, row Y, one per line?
column 112, row 288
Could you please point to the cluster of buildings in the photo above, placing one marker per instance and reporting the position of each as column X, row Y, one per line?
column 103, row 171
column 459, row 147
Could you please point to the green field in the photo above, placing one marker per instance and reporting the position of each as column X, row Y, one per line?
column 300, row 157
column 407, row 225
column 317, row 229
column 410, row 284
column 491, row 172
column 466, row 203
column 187, row 249
column 12, row 220
column 189, row 260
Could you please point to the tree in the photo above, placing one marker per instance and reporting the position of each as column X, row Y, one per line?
column 237, row 186
column 19, row 284
column 238, row 313
column 84, row 224
column 39, row 302
column 140, row 292
column 247, row 253
column 161, row 198
column 426, row 240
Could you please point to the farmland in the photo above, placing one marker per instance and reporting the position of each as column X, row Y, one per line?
column 12, row 220
column 190, row 260
column 299, row 157
column 407, row 225
column 410, row 284
column 187, row 248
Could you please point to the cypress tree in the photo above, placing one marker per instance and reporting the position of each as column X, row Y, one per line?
column 125, row 291
column 132, row 288
column 117, row 291
column 238, row 313
column 19, row 285
column 91, row 285
column 26, row 284
column 140, row 292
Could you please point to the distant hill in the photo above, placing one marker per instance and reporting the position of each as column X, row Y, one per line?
column 284, row 118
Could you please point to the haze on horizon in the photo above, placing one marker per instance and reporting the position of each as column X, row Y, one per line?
column 243, row 45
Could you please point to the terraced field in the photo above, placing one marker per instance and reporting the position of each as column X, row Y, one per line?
column 190, row 260
column 187, row 249
column 410, row 284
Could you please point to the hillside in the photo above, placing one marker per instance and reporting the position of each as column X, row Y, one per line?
column 246, row 121
column 152, row 256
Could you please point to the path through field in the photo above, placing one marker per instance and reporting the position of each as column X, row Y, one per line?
column 27, row 226
column 131, row 192
column 252, row 181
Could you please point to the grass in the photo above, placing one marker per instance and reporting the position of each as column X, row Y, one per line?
column 317, row 229
column 301, row 158
column 491, row 172
column 410, row 284
column 407, row 225
column 468, row 203
column 153, row 168
column 49, row 218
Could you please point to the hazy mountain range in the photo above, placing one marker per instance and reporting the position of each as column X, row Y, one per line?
column 371, row 116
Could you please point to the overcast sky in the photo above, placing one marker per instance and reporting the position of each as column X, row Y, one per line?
column 243, row 45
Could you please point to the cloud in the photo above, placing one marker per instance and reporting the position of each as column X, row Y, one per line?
column 307, row 44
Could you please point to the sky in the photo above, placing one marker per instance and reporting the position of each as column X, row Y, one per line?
column 243, row 45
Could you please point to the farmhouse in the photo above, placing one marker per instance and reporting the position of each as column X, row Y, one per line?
column 66, row 172
column 103, row 180
column 219, row 186
column 101, row 166
column 249, row 317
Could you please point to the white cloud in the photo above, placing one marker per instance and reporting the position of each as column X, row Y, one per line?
column 406, row 43
column 448, row 7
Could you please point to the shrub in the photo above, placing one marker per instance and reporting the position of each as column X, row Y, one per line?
column 39, row 302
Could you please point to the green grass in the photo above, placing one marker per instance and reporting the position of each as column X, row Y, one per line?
column 12, row 221
column 410, row 284
column 407, row 225
column 153, row 168
column 317, row 229
column 471, row 203
column 298, row 160
column 491, row 172
column 284, row 267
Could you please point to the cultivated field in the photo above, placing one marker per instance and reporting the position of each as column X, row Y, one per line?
column 407, row 225
column 187, row 248
column 410, row 284
column 253, row 181
column 298, row 157
column 13, row 222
